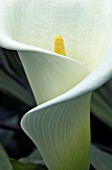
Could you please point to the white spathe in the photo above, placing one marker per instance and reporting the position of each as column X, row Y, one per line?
column 60, row 126
column 84, row 24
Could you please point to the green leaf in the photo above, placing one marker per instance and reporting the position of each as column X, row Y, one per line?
column 4, row 61
column 26, row 166
column 34, row 157
column 11, row 61
column 4, row 160
column 101, row 103
column 101, row 160
column 5, row 136
column 10, row 85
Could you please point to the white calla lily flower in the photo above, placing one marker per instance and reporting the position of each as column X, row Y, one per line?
column 62, row 86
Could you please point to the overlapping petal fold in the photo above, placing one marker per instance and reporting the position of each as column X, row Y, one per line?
column 51, row 75
column 60, row 126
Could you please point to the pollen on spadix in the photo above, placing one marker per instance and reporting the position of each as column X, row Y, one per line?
column 59, row 47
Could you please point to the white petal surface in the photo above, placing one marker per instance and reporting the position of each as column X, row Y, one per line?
column 84, row 24
column 56, row 124
column 62, row 133
column 51, row 75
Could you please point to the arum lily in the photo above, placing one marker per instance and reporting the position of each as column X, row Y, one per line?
column 62, row 85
